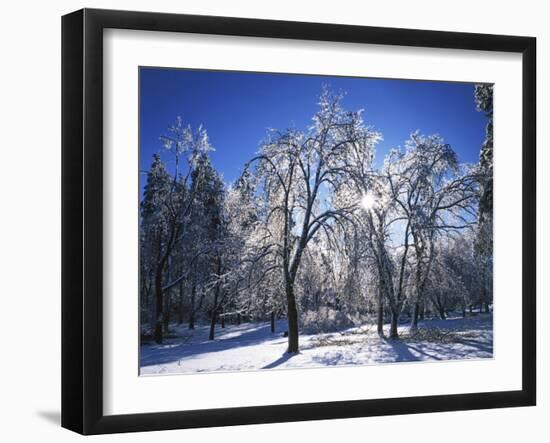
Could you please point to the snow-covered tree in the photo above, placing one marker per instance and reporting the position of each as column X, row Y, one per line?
column 454, row 279
column 299, row 171
column 153, row 232
column 167, row 203
column 435, row 195
column 483, row 95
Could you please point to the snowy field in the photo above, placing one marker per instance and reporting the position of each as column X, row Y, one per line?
column 251, row 346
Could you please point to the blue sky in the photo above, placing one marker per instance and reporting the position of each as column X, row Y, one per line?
column 236, row 108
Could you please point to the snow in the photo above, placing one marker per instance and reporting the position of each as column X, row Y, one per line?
column 252, row 346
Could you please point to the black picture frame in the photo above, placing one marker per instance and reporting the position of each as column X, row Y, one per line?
column 82, row 218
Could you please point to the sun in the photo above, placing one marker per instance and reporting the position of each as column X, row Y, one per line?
column 368, row 201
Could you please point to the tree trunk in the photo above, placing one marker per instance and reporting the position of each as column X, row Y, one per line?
column 484, row 302
column 239, row 319
column 180, row 304
column 415, row 315
column 292, row 319
column 380, row 313
column 272, row 322
column 215, row 307
column 442, row 313
column 223, row 321
column 212, row 324
column 393, row 325
column 214, row 316
column 416, row 306
column 159, row 305
column 159, row 302
column 166, row 314
column 192, row 308
column 152, row 310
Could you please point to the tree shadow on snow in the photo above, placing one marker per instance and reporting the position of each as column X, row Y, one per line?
column 401, row 350
column 283, row 358
column 173, row 350
column 478, row 345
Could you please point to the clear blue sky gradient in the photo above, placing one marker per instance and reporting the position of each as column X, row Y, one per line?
column 236, row 108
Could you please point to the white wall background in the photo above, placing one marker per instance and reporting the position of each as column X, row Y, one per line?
column 30, row 218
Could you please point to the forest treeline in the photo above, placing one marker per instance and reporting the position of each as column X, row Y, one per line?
column 313, row 232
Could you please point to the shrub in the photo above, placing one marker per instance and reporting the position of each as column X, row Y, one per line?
column 326, row 319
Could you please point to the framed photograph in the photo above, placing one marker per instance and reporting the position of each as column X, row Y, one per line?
column 269, row 221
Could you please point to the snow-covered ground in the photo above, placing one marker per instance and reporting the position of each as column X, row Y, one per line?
column 251, row 346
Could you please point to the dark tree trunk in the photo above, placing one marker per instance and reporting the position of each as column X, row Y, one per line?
column 159, row 302
column 292, row 319
column 180, row 304
column 415, row 316
column 416, row 306
column 192, row 307
column 214, row 316
column 393, row 325
column 482, row 294
column 272, row 322
column 215, row 307
column 223, row 321
column 239, row 319
column 159, row 305
column 166, row 314
column 380, row 313
column 439, row 304
column 213, row 324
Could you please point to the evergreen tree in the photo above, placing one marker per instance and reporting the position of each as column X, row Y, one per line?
column 153, row 230
column 207, row 219
column 155, row 191
column 483, row 95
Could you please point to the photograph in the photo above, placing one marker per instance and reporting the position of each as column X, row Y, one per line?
column 293, row 221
